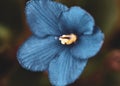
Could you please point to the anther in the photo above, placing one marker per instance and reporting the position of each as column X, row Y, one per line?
column 68, row 39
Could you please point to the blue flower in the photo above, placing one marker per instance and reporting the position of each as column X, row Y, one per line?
column 63, row 40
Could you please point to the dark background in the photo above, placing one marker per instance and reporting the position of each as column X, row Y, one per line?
column 102, row 70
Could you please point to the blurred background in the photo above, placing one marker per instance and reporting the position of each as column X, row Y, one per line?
column 102, row 70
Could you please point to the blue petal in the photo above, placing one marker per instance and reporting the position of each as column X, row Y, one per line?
column 77, row 19
column 88, row 45
column 65, row 69
column 35, row 54
column 43, row 16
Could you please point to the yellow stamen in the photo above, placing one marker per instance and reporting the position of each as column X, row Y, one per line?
column 68, row 39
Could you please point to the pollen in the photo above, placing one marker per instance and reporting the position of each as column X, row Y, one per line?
column 68, row 39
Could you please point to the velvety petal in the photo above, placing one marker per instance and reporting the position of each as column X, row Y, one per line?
column 35, row 54
column 78, row 20
column 42, row 17
column 88, row 45
column 65, row 69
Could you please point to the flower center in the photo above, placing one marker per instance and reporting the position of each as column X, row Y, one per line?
column 68, row 39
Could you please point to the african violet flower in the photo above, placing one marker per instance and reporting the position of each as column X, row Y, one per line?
column 62, row 42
